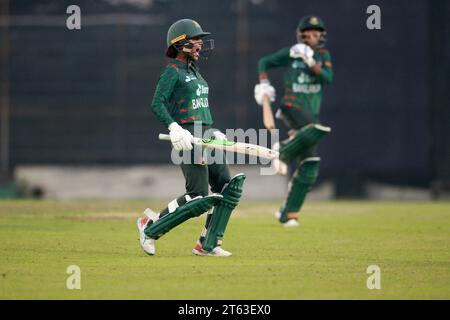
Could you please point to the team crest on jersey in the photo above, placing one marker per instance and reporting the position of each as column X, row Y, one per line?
column 314, row 21
column 303, row 78
column 190, row 77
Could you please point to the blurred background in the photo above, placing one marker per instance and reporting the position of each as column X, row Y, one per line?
column 75, row 104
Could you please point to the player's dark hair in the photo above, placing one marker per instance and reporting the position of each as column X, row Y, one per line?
column 171, row 52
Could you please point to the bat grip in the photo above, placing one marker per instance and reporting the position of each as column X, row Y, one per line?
column 268, row 120
column 163, row 136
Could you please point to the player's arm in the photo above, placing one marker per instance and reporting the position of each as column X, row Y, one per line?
column 164, row 89
column 324, row 72
column 278, row 59
column 181, row 138
column 264, row 92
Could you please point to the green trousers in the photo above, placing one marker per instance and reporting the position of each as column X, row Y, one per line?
column 198, row 177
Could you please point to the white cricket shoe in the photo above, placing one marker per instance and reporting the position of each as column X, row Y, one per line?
column 219, row 252
column 146, row 243
column 278, row 214
column 291, row 223
column 216, row 252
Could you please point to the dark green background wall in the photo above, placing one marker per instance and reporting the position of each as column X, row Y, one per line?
column 83, row 97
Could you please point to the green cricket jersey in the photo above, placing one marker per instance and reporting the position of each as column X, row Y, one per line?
column 303, row 86
column 181, row 95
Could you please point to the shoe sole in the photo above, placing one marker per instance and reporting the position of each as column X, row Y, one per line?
column 291, row 225
column 198, row 253
column 202, row 254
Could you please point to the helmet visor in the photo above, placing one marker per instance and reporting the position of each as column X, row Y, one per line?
column 207, row 48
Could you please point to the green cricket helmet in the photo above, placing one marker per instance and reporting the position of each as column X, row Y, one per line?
column 182, row 30
column 312, row 22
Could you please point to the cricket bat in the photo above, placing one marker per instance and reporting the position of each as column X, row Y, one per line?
column 269, row 122
column 232, row 146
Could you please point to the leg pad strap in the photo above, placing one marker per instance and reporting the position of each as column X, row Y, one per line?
column 179, row 214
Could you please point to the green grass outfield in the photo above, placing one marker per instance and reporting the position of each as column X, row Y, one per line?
column 326, row 258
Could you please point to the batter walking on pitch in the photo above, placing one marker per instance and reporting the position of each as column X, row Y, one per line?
column 181, row 104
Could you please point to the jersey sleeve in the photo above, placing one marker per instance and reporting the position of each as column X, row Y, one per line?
column 161, row 98
column 325, row 72
column 278, row 59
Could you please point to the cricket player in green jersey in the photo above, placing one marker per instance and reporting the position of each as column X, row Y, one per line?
column 308, row 69
column 181, row 104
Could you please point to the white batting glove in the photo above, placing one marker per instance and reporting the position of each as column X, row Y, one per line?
column 219, row 135
column 303, row 51
column 264, row 89
column 181, row 138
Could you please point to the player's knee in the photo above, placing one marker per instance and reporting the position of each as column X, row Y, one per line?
column 197, row 189
column 308, row 171
column 220, row 185
column 233, row 190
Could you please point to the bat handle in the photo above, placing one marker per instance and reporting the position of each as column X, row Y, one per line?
column 268, row 119
column 163, row 136
column 166, row 137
